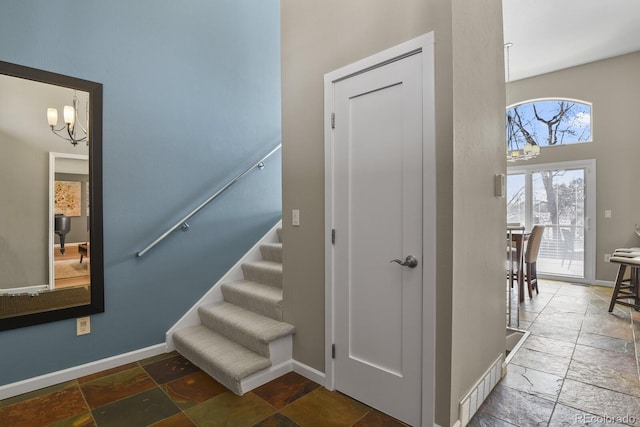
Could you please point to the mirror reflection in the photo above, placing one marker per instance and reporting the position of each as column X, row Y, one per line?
column 50, row 197
column 69, row 230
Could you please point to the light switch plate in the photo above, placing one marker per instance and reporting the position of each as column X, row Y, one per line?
column 295, row 217
column 499, row 185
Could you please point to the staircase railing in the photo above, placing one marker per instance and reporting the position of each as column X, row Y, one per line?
column 183, row 225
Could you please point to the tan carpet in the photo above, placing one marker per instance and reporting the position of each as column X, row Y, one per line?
column 71, row 268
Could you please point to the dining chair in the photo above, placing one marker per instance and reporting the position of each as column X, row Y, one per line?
column 531, row 258
column 568, row 240
column 515, row 255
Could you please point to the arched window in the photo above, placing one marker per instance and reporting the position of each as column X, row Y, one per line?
column 547, row 123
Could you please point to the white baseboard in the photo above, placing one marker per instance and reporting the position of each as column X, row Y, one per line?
column 309, row 373
column 53, row 378
column 606, row 283
column 36, row 383
column 265, row 376
column 279, row 370
column 480, row 390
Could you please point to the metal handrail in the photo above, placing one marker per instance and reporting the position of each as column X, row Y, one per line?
column 183, row 222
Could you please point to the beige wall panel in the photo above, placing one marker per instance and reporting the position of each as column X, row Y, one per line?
column 318, row 37
column 478, row 335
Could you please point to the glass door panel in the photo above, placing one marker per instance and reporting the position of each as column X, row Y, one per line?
column 516, row 202
column 558, row 203
column 560, row 197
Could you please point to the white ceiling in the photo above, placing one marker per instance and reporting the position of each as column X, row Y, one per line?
column 550, row 35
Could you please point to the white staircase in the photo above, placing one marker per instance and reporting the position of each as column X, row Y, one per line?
column 235, row 333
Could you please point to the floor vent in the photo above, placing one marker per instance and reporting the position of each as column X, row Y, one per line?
column 472, row 401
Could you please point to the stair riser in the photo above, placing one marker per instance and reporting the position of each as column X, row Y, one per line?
column 271, row 253
column 210, row 354
column 281, row 351
column 227, row 329
column 252, row 302
column 209, row 368
column 262, row 275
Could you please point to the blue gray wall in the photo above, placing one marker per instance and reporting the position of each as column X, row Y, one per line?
column 191, row 98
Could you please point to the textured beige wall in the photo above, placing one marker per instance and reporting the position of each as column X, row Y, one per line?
column 614, row 89
column 478, row 335
column 24, row 214
column 318, row 37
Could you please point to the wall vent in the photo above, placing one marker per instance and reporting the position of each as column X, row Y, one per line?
column 479, row 392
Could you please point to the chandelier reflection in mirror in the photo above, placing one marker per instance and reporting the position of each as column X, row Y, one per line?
column 530, row 149
column 72, row 130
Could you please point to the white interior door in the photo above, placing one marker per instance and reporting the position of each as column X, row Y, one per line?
column 377, row 216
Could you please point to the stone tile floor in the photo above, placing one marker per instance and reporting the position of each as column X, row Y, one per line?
column 578, row 366
column 169, row 391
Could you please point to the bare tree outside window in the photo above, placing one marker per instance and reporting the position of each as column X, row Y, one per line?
column 548, row 123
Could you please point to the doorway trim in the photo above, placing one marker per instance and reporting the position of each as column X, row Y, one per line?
column 53, row 156
column 425, row 45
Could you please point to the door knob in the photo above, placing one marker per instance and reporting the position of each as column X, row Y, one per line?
column 410, row 261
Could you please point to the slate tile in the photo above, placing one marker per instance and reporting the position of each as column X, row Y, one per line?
column 138, row 410
column 516, row 407
column 324, row 408
column 286, row 389
column 600, row 401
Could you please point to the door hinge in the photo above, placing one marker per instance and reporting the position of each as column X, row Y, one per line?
column 333, row 351
column 333, row 236
column 333, row 120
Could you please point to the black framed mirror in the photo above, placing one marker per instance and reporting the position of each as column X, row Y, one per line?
column 51, row 238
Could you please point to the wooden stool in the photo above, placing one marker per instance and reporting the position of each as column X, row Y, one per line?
column 626, row 288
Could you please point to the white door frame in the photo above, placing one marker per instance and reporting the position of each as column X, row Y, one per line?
column 424, row 44
column 590, row 210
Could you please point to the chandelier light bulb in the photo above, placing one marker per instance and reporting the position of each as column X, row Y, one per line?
column 52, row 116
column 69, row 115
column 68, row 131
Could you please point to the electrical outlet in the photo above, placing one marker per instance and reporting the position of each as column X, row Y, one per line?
column 607, row 213
column 83, row 325
column 607, row 257
column 295, row 217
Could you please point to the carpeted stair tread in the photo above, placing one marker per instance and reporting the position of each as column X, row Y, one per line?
column 245, row 327
column 267, row 272
column 257, row 297
column 271, row 252
column 223, row 359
